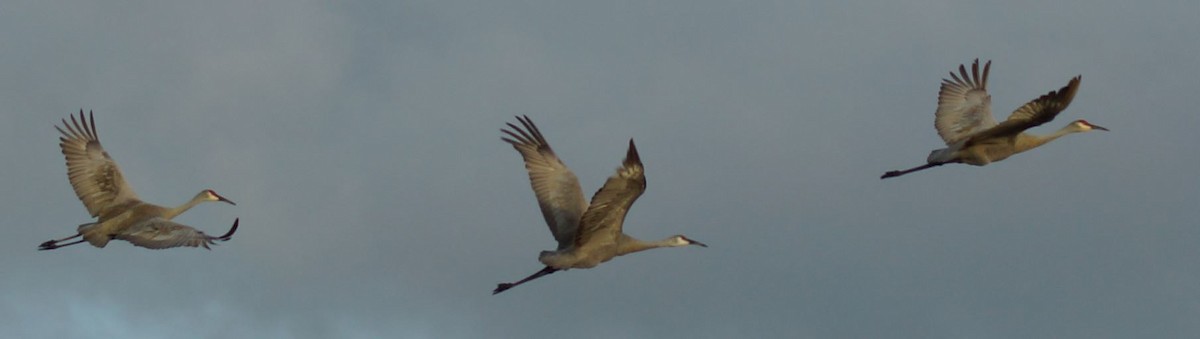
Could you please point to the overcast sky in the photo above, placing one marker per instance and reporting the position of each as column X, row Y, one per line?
column 361, row 142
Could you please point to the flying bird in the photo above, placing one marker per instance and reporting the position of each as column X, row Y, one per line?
column 964, row 121
column 587, row 234
column 101, row 187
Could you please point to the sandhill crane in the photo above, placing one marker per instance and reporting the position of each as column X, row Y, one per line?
column 587, row 235
column 121, row 215
column 964, row 120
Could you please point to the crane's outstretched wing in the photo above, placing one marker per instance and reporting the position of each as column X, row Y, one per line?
column 602, row 222
column 964, row 106
column 1036, row 112
column 159, row 233
column 556, row 187
column 94, row 175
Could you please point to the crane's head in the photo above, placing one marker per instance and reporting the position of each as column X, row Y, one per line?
column 210, row 195
column 681, row 240
column 1084, row 126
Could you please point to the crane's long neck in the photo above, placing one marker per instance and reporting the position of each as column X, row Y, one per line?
column 627, row 244
column 171, row 213
column 1026, row 141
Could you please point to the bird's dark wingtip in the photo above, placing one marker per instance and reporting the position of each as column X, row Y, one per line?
column 232, row 230
column 501, row 288
column 631, row 156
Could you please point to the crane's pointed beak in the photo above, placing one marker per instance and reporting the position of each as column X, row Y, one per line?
column 1099, row 128
column 693, row 242
column 213, row 194
column 222, row 199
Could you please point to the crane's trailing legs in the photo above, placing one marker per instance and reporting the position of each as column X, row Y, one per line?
column 52, row 244
column 890, row 174
column 505, row 286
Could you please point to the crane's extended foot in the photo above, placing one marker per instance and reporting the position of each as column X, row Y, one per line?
column 52, row 244
column 505, row 286
column 48, row 245
column 890, row 174
column 502, row 287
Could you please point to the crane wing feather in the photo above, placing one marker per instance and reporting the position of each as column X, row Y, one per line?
column 94, row 175
column 602, row 223
column 1036, row 112
column 556, row 187
column 964, row 106
column 159, row 233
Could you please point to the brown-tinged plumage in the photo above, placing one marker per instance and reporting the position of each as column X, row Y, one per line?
column 587, row 234
column 964, row 121
column 102, row 188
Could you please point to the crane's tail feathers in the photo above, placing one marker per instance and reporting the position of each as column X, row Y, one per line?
column 890, row 174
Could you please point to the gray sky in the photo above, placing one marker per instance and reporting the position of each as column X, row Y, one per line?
column 361, row 142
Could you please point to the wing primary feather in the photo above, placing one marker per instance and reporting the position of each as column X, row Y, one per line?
column 975, row 72
column 73, row 133
column 631, row 156
column 986, row 68
column 955, row 77
column 962, row 70
column 519, row 140
column 229, row 235
column 524, row 136
column 92, row 122
column 537, row 133
column 77, row 127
